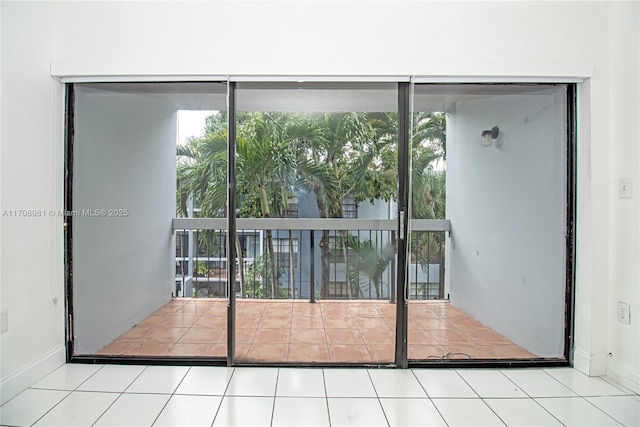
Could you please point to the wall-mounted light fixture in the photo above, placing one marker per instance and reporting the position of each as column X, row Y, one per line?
column 487, row 136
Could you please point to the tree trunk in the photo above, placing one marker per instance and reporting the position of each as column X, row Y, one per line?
column 324, row 246
column 292, row 275
column 243, row 292
column 266, row 213
column 274, row 265
column 441, row 278
column 343, row 237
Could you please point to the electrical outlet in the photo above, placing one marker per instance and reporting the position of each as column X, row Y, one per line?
column 623, row 313
column 4, row 321
column 624, row 188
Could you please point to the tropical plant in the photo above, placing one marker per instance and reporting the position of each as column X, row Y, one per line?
column 259, row 279
column 373, row 259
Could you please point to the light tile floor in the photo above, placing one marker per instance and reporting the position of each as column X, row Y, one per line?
column 328, row 331
column 116, row 395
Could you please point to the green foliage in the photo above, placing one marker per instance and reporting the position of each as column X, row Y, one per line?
column 258, row 280
column 202, row 269
column 279, row 155
column 373, row 259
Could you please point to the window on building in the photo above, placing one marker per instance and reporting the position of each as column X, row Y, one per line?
column 349, row 206
column 282, row 250
column 292, row 208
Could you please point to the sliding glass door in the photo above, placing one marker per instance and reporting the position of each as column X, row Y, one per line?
column 308, row 223
column 491, row 161
column 316, row 182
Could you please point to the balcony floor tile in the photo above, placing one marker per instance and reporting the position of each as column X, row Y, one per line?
column 336, row 331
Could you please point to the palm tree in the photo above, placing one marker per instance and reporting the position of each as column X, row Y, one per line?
column 344, row 148
column 373, row 259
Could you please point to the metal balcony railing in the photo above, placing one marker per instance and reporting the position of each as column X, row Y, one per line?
column 308, row 258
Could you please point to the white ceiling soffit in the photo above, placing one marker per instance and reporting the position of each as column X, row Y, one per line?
column 182, row 95
column 445, row 96
column 317, row 97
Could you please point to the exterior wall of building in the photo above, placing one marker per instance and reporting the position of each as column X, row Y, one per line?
column 124, row 158
column 507, row 207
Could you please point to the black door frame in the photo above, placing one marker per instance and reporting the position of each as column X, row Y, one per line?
column 401, row 342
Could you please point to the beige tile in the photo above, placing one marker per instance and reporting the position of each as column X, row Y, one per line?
column 211, row 322
column 343, row 336
column 267, row 353
column 374, row 336
column 340, row 322
column 312, row 336
column 149, row 348
column 135, row 333
column 275, row 322
column 486, row 337
column 166, row 334
column 434, row 323
column 247, row 321
column 420, row 336
column 180, row 320
column 217, row 350
column 194, row 308
column 200, row 335
column 466, row 352
column 270, row 336
column 117, row 348
column 349, row 353
column 464, row 323
column 382, row 353
column 186, row 350
column 278, row 310
column 307, row 310
column 446, row 337
column 364, row 311
column 307, row 322
column 308, row 353
column 425, row 352
column 244, row 335
column 377, row 323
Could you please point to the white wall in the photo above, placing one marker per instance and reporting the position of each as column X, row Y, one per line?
column 507, row 204
column 31, row 281
column 124, row 158
column 333, row 38
column 623, row 342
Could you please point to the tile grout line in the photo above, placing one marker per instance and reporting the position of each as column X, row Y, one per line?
column 326, row 395
column 429, row 397
column 224, row 395
column 171, row 396
column 63, row 399
column 275, row 393
column 529, row 396
column 378, row 397
column 601, row 410
column 119, row 395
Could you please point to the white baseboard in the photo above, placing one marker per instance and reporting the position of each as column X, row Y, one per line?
column 31, row 374
column 624, row 374
column 594, row 365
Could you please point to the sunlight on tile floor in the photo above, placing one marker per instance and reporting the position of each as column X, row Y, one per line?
column 297, row 331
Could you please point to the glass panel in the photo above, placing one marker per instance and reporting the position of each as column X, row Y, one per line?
column 143, row 154
column 492, row 160
column 306, row 152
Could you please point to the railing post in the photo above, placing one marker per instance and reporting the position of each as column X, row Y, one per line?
column 393, row 271
column 312, row 261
